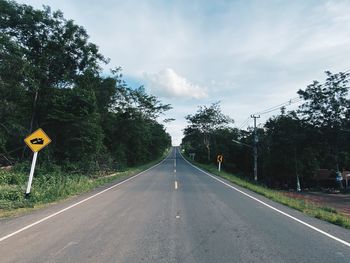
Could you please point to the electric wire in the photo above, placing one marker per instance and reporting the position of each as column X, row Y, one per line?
column 279, row 106
column 287, row 103
column 244, row 123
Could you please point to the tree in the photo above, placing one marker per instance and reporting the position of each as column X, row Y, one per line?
column 56, row 49
column 286, row 149
column 137, row 101
column 206, row 121
column 326, row 107
column 50, row 76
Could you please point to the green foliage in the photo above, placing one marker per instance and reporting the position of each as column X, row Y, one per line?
column 326, row 105
column 326, row 108
column 204, row 123
column 293, row 144
column 50, row 77
column 50, row 184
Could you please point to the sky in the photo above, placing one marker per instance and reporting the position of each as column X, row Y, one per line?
column 249, row 55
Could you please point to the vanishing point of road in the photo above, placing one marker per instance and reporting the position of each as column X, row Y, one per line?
column 172, row 212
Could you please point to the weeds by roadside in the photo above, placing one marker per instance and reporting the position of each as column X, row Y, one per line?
column 51, row 185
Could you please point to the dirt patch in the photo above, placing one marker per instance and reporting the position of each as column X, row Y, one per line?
column 340, row 202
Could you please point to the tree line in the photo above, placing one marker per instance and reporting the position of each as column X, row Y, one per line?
column 291, row 144
column 51, row 77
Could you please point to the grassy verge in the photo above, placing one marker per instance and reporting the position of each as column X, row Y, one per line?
column 324, row 213
column 48, row 188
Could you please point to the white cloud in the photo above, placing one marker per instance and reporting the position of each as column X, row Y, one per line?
column 167, row 83
column 249, row 56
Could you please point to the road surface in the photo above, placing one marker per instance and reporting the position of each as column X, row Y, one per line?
column 171, row 213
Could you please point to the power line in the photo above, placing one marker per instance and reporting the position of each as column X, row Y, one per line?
column 244, row 123
column 274, row 108
column 279, row 106
column 271, row 109
column 289, row 102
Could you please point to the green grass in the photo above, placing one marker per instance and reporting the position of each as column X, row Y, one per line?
column 324, row 213
column 51, row 187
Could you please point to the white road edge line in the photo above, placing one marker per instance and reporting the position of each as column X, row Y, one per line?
column 176, row 186
column 76, row 204
column 273, row 208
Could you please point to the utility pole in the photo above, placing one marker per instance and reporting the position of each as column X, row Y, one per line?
column 255, row 147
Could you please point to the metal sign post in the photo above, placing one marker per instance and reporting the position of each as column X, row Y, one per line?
column 36, row 141
column 32, row 168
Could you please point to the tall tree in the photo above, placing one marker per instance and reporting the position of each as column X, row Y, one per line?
column 206, row 121
column 326, row 107
column 56, row 49
column 50, row 76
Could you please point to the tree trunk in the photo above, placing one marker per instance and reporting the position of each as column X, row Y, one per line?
column 207, row 144
column 33, row 111
column 208, row 149
column 32, row 119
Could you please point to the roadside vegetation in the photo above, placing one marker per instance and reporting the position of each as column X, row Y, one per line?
column 291, row 144
column 321, row 212
column 51, row 77
column 52, row 185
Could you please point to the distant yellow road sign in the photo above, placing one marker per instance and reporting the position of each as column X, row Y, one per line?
column 37, row 140
column 220, row 158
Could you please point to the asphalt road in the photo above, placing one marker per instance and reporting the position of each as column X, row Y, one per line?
column 171, row 213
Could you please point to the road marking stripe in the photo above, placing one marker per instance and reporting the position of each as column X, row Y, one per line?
column 176, row 186
column 76, row 204
column 273, row 208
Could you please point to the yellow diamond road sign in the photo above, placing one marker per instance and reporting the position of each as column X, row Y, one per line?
column 37, row 140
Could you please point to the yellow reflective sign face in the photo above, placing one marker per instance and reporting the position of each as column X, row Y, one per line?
column 220, row 158
column 37, row 140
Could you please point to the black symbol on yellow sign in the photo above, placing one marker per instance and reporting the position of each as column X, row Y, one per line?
column 220, row 158
column 37, row 141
